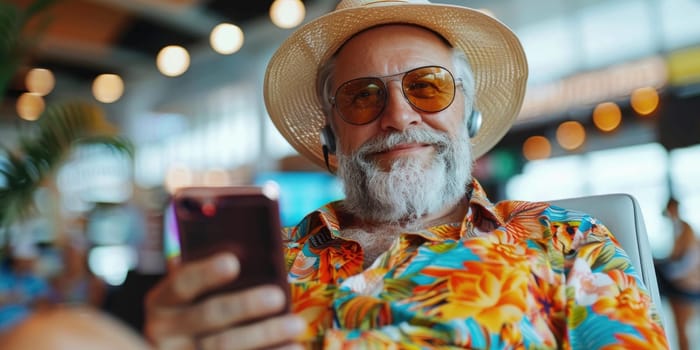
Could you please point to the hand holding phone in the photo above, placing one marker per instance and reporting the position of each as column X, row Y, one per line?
column 243, row 220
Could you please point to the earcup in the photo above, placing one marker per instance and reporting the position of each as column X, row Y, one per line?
column 328, row 139
column 474, row 123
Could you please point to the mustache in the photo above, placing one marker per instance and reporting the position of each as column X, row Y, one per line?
column 382, row 143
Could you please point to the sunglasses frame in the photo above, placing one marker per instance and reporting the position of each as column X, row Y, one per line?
column 385, row 80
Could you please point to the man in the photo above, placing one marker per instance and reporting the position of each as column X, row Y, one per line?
column 679, row 273
column 415, row 256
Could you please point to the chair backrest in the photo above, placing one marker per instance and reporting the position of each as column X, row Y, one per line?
column 621, row 214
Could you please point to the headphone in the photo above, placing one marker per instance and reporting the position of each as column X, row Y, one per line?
column 327, row 144
column 328, row 137
column 474, row 123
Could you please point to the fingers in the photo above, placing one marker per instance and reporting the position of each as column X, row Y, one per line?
column 174, row 321
column 260, row 335
column 193, row 279
column 222, row 311
column 174, row 295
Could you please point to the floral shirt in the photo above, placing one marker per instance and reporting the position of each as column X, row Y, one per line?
column 511, row 275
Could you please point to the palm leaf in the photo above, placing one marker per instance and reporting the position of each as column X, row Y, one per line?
column 44, row 149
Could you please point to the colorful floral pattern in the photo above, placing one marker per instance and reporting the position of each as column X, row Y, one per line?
column 511, row 275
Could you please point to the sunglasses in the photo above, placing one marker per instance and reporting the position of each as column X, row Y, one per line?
column 361, row 101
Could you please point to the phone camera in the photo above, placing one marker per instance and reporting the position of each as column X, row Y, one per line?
column 190, row 205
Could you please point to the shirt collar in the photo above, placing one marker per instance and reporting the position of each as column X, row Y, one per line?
column 482, row 216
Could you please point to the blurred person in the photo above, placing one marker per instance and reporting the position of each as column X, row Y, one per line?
column 679, row 273
column 391, row 94
column 22, row 290
column 71, row 328
column 75, row 283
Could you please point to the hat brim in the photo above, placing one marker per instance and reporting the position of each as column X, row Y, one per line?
column 494, row 53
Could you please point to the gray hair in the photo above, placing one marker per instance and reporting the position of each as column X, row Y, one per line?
column 463, row 72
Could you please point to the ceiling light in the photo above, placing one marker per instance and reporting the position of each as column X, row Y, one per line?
column 287, row 13
column 216, row 177
column 30, row 106
column 537, row 147
column 571, row 135
column 178, row 176
column 40, row 81
column 644, row 100
column 173, row 60
column 107, row 88
column 607, row 116
column 226, row 38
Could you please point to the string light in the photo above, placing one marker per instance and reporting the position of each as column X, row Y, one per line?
column 40, row 81
column 607, row 116
column 571, row 135
column 537, row 147
column 30, row 106
column 107, row 88
column 178, row 176
column 173, row 60
column 287, row 13
column 226, row 38
column 644, row 100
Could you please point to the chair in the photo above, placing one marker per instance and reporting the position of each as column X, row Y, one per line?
column 621, row 214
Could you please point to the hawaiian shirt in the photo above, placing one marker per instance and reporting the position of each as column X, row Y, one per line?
column 511, row 275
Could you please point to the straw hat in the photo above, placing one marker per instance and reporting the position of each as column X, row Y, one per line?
column 494, row 52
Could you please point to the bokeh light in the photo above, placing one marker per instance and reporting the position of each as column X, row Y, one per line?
column 178, row 176
column 644, row 100
column 607, row 116
column 216, row 178
column 287, row 13
column 30, row 106
column 40, row 81
column 571, row 135
column 226, row 38
column 537, row 147
column 108, row 88
column 173, row 60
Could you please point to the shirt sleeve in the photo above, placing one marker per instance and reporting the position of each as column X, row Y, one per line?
column 607, row 304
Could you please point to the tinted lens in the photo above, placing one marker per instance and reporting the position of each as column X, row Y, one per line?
column 361, row 100
column 430, row 89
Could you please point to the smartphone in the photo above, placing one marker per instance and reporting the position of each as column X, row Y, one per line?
column 244, row 220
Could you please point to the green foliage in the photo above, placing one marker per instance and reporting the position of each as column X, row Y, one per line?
column 42, row 151
column 15, row 41
column 63, row 125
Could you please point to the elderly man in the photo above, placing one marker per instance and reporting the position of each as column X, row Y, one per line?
column 391, row 94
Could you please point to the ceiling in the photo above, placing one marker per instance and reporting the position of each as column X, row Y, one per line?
column 84, row 38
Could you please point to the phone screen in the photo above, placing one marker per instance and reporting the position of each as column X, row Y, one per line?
column 242, row 220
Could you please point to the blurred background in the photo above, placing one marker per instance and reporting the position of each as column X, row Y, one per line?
column 108, row 106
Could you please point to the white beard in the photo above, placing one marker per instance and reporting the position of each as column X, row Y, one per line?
column 410, row 189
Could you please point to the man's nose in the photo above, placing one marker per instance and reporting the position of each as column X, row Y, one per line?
column 398, row 113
